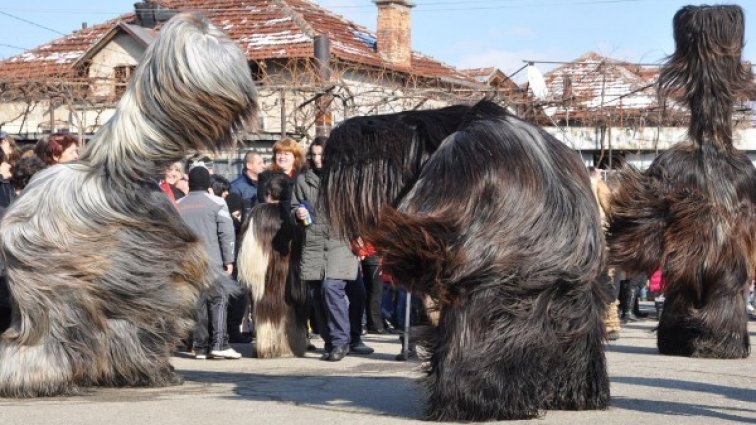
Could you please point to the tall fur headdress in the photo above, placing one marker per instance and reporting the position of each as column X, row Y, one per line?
column 706, row 71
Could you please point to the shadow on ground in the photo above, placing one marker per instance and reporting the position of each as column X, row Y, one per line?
column 385, row 396
column 735, row 393
column 671, row 408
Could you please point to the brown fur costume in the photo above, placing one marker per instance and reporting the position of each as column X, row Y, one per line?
column 103, row 272
column 498, row 224
column 269, row 266
column 693, row 212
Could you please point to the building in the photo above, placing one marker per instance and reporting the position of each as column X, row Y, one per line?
column 609, row 111
column 313, row 68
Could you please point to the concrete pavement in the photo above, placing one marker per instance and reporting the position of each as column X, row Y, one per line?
column 647, row 388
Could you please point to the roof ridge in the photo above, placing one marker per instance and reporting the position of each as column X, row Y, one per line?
column 297, row 18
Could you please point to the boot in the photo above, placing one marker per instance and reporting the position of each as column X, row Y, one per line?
column 627, row 298
column 636, row 309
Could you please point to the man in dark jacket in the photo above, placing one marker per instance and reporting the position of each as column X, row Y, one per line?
column 207, row 215
column 246, row 184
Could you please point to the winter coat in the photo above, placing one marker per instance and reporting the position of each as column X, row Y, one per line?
column 323, row 256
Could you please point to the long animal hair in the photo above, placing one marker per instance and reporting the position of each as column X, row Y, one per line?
column 501, row 228
column 693, row 212
column 268, row 265
column 373, row 159
column 103, row 273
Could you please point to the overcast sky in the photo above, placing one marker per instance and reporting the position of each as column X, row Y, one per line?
column 463, row 33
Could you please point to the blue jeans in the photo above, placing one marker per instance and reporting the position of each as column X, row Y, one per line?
column 336, row 307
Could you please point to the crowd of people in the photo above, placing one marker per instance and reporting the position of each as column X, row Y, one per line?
column 348, row 295
column 345, row 288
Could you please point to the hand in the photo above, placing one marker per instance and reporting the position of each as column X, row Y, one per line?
column 301, row 213
column 229, row 269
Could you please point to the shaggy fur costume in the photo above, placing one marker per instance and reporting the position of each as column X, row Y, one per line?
column 499, row 225
column 693, row 212
column 269, row 266
column 103, row 273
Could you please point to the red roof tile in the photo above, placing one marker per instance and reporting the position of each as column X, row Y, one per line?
column 262, row 28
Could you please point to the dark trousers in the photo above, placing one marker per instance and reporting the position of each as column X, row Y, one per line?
column 336, row 331
column 237, row 305
column 211, row 319
column 355, row 291
column 5, row 305
column 316, row 310
column 374, row 292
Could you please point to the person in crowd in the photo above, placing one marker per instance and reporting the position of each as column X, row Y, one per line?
column 7, row 193
column 24, row 170
column 61, row 148
column 173, row 174
column 288, row 159
column 602, row 194
column 9, row 148
column 219, row 185
column 246, row 184
column 329, row 267
column 237, row 303
column 207, row 215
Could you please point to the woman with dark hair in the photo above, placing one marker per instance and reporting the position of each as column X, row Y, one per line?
column 61, row 148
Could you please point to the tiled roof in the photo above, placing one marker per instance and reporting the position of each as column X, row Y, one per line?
column 596, row 80
column 264, row 29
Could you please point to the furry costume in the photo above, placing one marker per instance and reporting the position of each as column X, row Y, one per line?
column 693, row 212
column 103, row 273
column 268, row 264
column 499, row 225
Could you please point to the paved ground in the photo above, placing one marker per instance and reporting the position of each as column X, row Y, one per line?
column 646, row 389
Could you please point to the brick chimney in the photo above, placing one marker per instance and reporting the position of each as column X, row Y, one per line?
column 394, row 35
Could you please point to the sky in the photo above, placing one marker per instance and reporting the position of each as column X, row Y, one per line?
column 462, row 33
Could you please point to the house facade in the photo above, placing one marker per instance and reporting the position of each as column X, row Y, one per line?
column 608, row 110
column 313, row 69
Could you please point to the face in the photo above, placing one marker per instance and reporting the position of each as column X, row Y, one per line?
column 256, row 165
column 70, row 154
column 317, row 156
column 6, row 147
column 173, row 174
column 285, row 160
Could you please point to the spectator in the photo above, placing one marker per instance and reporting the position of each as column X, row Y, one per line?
column 61, row 148
column 246, row 184
column 330, row 268
column 207, row 215
column 219, row 185
column 237, row 304
column 7, row 193
column 171, row 177
column 24, row 170
column 288, row 159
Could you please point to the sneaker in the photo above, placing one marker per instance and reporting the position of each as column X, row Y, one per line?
column 228, row 353
column 200, row 356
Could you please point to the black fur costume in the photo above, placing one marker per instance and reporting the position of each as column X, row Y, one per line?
column 692, row 213
column 498, row 224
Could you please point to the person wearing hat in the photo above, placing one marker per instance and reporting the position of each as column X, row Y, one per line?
column 208, row 217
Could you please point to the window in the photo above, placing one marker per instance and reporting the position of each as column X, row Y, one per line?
column 122, row 74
